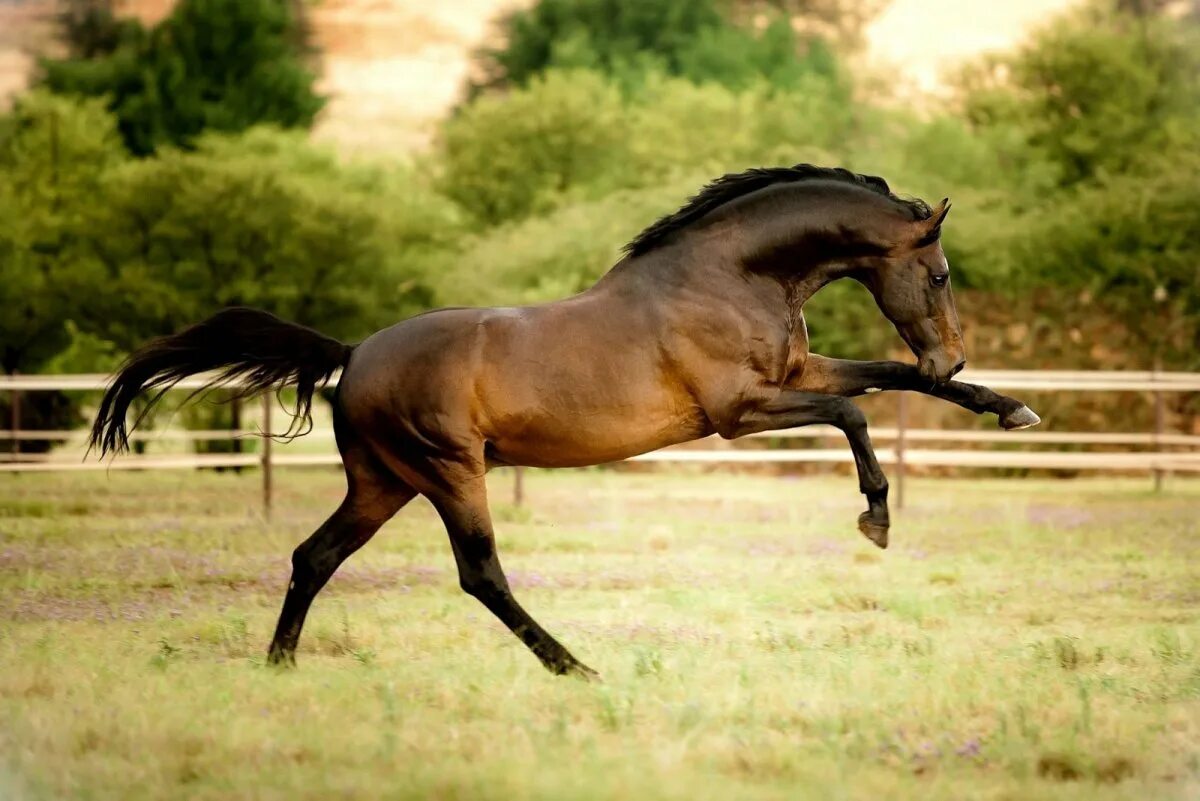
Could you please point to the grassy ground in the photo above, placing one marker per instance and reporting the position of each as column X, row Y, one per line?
column 1021, row 639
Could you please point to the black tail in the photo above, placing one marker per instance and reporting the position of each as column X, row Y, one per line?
column 262, row 350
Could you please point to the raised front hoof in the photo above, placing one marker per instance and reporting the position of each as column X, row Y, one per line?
column 874, row 530
column 1021, row 417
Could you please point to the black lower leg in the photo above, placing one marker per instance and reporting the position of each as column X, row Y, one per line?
column 792, row 408
column 481, row 576
column 875, row 522
column 849, row 378
column 318, row 557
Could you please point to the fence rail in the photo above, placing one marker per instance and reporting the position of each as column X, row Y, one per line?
column 1186, row 459
column 1109, row 380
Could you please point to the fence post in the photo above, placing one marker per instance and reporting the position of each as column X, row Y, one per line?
column 266, row 455
column 14, row 444
column 518, row 485
column 901, row 424
column 1160, row 422
column 235, row 425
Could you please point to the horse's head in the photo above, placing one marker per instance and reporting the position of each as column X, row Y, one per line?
column 911, row 284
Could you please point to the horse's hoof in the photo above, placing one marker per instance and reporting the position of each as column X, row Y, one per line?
column 873, row 530
column 582, row 671
column 281, row 659
column 1022, row 417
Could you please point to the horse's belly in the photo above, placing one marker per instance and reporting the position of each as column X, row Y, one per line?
column 587, row 437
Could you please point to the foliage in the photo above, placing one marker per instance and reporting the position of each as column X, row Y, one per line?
column 222, row 65
column 1129, row 242
column 53, row 157
column 570, row 136
column 184, row 234
column 843, row 22
column 548, row 257
column 1104, row 104
column 505, row 157
column 692, row 39
column 1096, row 91
column 91, row 28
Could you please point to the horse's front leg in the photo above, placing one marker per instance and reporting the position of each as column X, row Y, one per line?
column 792, row 409
column 850, row 378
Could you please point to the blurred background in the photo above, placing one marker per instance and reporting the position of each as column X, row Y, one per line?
column 345, row 163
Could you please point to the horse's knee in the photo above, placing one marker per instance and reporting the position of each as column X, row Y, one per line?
column 851, row 418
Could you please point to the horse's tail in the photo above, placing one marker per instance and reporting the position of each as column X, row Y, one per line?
column 262, row 350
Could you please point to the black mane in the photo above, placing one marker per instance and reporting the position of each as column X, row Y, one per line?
column 734, row 185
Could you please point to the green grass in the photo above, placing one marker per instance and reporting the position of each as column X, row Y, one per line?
column 1021, row 639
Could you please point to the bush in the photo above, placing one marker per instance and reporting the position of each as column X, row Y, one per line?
column 555, row 255
column 53, row 156
column 222, row 65
column 691, row 39
column 505, row 157
column 183, row 234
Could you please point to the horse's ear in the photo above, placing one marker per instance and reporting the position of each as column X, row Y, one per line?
column 928, row 230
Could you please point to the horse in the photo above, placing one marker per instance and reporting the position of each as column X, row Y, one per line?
column 697, row 330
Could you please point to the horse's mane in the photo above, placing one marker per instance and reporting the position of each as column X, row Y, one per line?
column 734, row 185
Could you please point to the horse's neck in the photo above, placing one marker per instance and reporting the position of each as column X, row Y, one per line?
column 770, row 251
column 701, row 286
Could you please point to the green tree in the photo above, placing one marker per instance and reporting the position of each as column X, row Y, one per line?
column 259, row 219
column 505, row 156
column 1095, row 92
column 693, row 39
column 1103, row 106
column 841, row 21
column 222, row 65
column 54, row 153
column 92, row 29
column 1128, row 245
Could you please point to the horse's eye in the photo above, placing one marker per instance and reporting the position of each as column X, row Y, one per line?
column 939, row 280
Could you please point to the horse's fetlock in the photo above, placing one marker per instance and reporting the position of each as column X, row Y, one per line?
column 877, row 493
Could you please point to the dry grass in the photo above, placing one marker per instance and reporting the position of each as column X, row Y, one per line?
column 1022, row 639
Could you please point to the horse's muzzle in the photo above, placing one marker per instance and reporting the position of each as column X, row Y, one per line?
column 939, row 367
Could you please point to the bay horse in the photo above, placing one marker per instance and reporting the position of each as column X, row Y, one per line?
column 698, row 329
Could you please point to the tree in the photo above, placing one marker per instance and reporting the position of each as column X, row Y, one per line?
column 1107, row 98
column 53, row 156
column 53, row 153
column 841, row 21
column 1095, row 92
column 260, row 220
column 1129, row 243
column 693, row 39
column 222, row 65
column 506, row 156
column 92, row 29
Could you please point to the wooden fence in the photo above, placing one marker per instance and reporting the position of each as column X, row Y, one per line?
column 1170, row 451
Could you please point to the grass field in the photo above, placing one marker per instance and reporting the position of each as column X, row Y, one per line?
column 1020, row 640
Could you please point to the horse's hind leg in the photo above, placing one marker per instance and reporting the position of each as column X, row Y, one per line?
column 372, row 497
column 463, row 508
